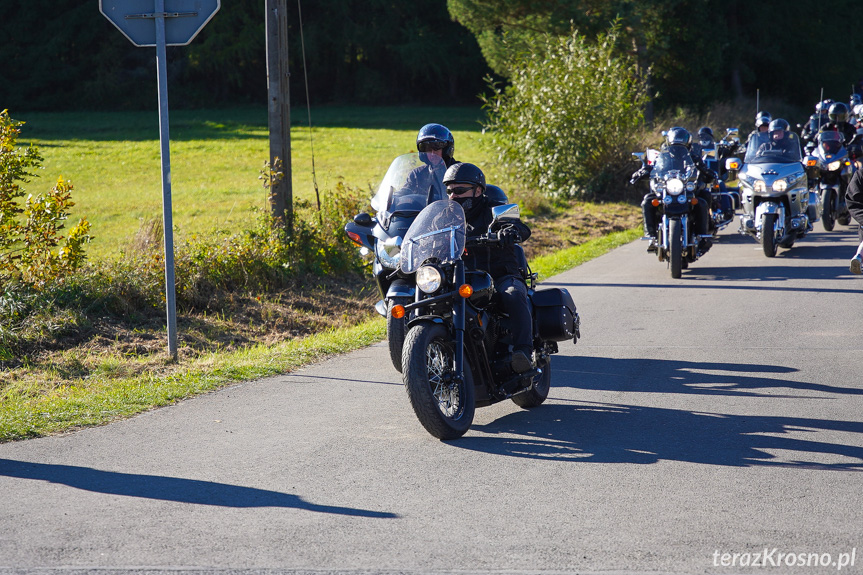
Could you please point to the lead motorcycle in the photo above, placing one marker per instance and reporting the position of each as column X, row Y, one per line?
column 674, row 181
column 778, row 207
column 456, row 352
column 410, row 184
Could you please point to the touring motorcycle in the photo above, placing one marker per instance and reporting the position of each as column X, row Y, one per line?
column 830, row 168
column 410, row 184
column 778, row 207
column 456, row 352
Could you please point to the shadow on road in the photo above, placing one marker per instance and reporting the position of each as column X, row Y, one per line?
column 612, row 433
column 169, row 488
column 647, row 375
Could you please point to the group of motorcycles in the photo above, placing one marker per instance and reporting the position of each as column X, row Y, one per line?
column 447, row 333
column 779, row 192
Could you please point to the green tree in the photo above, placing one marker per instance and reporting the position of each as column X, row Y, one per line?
column 566, row 121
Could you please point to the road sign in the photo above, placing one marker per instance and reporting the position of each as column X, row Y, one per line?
column 136, row 19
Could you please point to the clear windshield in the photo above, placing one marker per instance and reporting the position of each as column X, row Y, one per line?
column 830, row 141
column 673, row 159
column 411, row 183
column 438, row 234
column 762, row 149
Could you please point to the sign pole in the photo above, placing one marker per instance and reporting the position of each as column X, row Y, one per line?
column 164, row 142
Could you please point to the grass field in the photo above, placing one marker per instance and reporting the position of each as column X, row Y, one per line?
column 112, row 158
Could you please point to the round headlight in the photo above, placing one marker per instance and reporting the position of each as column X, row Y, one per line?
column 674, row 186
column 428, row 279
column 667, row 199
column 760, row 186
column 833, row 166
column 780, row 186
column 690, row 186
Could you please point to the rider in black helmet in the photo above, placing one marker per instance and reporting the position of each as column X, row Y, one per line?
column 466, row 185
column 838, row 116
column 437, row 139
column 762, row 121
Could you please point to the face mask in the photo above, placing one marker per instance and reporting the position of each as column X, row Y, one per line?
column 466, row 203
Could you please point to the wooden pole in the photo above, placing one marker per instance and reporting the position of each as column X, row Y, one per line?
column 281, row 193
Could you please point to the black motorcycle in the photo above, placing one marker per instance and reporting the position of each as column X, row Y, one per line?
column 456, row 352
column 410, row 184
column 831, row 172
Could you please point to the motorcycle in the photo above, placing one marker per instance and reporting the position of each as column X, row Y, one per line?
column 410, row 184
column 723, row 198
column 778, row 207
column 831, row 172
column 456, row 352
column 674, row 181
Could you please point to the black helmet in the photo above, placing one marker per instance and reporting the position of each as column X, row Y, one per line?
column 496, row 195
column 838, row 112
column 705, row 133
column 678, row 135
column 762, row 119
column 436, row 137
column 778, row 124
column 464, row 173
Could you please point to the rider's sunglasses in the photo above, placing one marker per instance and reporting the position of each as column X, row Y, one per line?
column 459, row 191
column 431, row 145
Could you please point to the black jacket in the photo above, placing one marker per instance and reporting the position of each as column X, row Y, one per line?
column 854, row 198
column 495, row 259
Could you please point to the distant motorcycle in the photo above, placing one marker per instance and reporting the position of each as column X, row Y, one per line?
column 674, row 181
column 724, row 199
column 411, row 183
column 778, row 208
column 831, row 172
column 455, row 355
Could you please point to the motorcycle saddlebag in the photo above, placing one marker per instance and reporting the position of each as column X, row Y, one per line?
column 554, row 312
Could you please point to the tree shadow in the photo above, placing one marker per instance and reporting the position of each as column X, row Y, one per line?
column 613, row 433
column 170, row 488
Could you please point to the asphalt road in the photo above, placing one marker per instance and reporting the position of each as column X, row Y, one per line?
column 698, row 418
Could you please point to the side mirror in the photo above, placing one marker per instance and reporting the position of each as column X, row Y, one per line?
column 364, row 220
column 638, row 156
column 505, row 212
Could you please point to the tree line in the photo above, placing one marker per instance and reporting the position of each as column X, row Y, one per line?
column 63, row 54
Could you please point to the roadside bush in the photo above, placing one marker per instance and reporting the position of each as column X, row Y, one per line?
column 566, row 122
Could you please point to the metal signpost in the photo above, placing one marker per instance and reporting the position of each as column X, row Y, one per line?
column 162, row 23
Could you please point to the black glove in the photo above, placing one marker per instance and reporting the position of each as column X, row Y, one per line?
column 508, row 237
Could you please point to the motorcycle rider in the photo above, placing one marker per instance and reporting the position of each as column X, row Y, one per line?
column 782, row 139
column 466, row 185
column 436, row 146
column 679, row 136
column 816, row 120
column 838, row 116
column 762, row 121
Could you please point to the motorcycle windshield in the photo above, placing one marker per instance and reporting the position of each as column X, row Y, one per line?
column 830, row 142
column 437, row 234
column 673, row 159
column 764, row 150
column 411, row 183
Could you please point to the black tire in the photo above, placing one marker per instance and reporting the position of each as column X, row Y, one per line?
column 675, row 247
column 446, row 410
column 396, row 329
column 539, row 392
column 768, row 235
column 828, row 217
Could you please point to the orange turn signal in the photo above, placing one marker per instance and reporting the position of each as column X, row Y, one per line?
column 733, row 165
column 355, row 237
column 811, row 163
column 654, row 202
column 465, row 291
column 398, row 311
column 694, row 201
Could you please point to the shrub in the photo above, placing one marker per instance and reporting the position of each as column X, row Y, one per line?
column 566, row 122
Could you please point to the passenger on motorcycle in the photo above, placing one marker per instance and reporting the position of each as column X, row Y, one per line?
column 762, row 121
column 466, row 185
column 436, row 146
column 680, row 136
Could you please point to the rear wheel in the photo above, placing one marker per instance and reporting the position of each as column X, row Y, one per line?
column 541, row 386
column 768, row 235
column 828, row 217
column 443, row 405
column 675, row 247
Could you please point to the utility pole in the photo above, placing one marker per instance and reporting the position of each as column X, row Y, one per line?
column 281, row 194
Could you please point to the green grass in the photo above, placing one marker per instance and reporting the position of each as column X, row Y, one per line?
column 113, row 160
column 107, row 394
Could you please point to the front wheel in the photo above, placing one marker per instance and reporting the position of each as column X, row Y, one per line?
column 443, row 405
column 768, row 235
column 828, row 217
column 675, row 247
column 538, row 393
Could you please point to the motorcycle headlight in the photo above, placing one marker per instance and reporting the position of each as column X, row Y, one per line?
column 690, row 186
column 760, row 186
column 833, row 166
column 674, row 186
column 428, row 279
column 383, row 254
column 681, row 199
column 667, row 199
column 780, row 185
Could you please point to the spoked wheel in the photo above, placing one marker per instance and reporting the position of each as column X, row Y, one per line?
column 541, row 386
column 444, row 406
column 396, row 329
column 675, row 247
column 828, row 217
column 768, row 235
